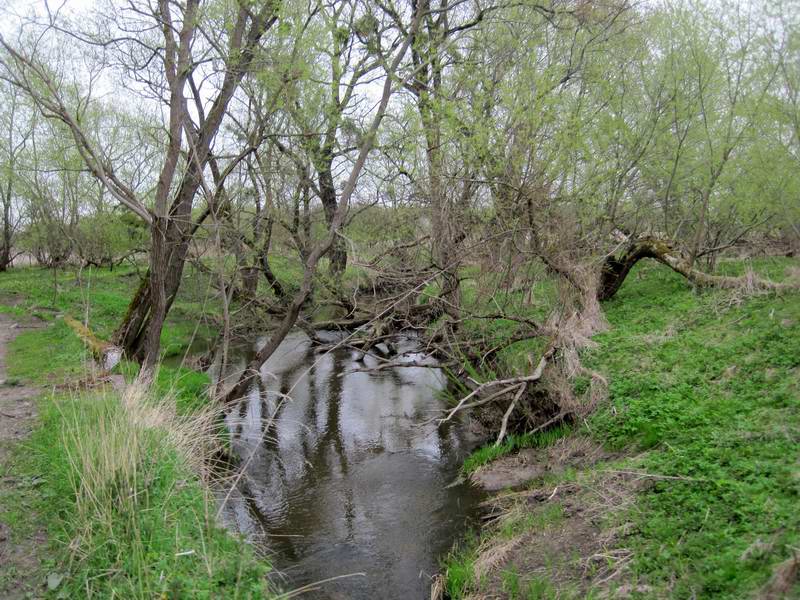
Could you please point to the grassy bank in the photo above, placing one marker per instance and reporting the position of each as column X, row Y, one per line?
column 100, row 297
column 116, row 481
column 704, row 399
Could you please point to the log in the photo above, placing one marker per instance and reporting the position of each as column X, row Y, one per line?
column 106, row 353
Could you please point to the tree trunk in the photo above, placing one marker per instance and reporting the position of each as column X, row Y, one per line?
column 338, row 252
column 133, row 333
column 616, row 269
column 266, row 269
column 445, row 217
column 140, row 332
column 249, row 277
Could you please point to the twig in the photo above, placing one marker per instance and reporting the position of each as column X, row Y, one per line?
column 508, row 412
column 512, row 382
column 655, row 476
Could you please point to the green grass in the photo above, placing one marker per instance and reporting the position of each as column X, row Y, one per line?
column 536, row 588
column 704, row 388
column 53, row 354
column 126, row 516
column 709, row 385
column 459, row 565
column 49, row 355
column 102, row 296
column 512, row 443
column 150, row 533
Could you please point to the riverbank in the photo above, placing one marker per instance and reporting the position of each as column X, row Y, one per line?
column 684, row 484
column 105, row 496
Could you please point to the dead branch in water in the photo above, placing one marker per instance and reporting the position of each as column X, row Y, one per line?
column 508, row 384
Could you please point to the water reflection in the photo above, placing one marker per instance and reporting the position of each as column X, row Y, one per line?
column 342, row 477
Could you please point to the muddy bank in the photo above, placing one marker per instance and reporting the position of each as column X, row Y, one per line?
column 544, row 533
column 518, row 469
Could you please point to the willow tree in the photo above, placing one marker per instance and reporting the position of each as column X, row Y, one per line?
column 169, row 52
column 17, row 126
column 396, row 73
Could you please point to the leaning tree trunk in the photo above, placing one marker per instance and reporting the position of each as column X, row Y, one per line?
column 266, row 269
column 338, row 252
column 616, row 269
column 133, row 334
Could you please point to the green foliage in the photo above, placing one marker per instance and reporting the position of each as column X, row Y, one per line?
column 537, row 588
column 704, row 394
column 458, row 567
column 105, row 239
column 709, row 384
column 149, row 530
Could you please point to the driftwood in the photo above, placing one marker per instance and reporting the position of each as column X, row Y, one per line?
column 616, row 269
column 106, row 353
column 506, row 385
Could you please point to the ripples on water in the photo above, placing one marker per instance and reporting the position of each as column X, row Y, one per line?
column 344, row 478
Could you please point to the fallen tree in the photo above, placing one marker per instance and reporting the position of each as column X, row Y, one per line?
column 616, row 268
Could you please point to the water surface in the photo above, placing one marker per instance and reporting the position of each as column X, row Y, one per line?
column 344, row 478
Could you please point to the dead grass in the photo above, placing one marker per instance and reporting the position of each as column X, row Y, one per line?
column 574, row 451
column 140, row 517
column 784, row 579
column 564, row 531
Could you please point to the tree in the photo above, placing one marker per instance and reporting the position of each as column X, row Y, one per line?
column 18, row 127
column 169, row 69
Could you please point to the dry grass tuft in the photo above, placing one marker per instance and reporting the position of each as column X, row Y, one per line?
column 112, row 456
column 783, row 579
column 494, row 555
column 438, row 588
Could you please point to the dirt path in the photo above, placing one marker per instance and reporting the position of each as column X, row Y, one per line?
column 20, row 547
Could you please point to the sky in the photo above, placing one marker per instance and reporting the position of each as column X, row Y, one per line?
column 15, row 12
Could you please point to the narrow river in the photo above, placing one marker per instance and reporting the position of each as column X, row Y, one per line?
column 344, row 481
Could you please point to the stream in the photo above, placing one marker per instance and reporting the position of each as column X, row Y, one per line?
column 344, row 483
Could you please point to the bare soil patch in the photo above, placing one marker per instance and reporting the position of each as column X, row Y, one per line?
column 560, row 536
column 20, row 555
column 518, row 469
